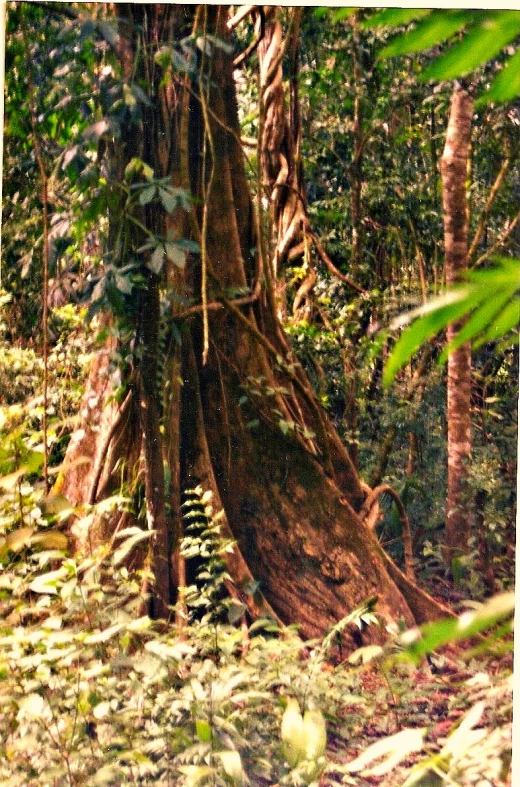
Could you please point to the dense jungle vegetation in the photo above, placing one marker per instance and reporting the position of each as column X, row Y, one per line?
column 259, row 307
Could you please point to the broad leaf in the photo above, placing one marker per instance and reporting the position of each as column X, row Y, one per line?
column 32, row 705
column 314, row 739
column 485, row 291
column 506, row 85
column 147, row 195
column 425, row 328
column 156, row 261
column 169, row 200
column 96, row 130
column 109, row 32
column 419, row 642
column 196, row 774
column 480, row 45
column 203, row 730
column 477, row 323
column 176, row 255
column 505, row 322
column 436, row 28
column 292, row 733
column 394, row 17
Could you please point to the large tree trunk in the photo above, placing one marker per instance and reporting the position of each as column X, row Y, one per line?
column 454, row 166
column 245, row 422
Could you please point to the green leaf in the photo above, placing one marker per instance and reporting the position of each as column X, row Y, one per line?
column 187, row 245
column 394, row 17
column 321, row 12
column 128, row 96
column 176, row 255
column 477, row 323
column 425, row 328
column 236, row 611
column 292, row 733
column 203, row 730
column 419, row 642
column 34, row 462
column 147, row 195
column 480, row 45
column 156, row 261
column 141, row 95
column 163, row 56
column 148, row 171
column 314, row 740
column 505, row 322
column 506, row 85
column 124, row 284
column 220, row 43
column 169, row 200
column 342, row 13
column 134, row 166
column 437, row 27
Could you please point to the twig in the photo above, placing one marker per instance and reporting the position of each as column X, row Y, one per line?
column 501, row 240
column 487, row 207
column 330, row 265
column 259, row 34
column 241, row 14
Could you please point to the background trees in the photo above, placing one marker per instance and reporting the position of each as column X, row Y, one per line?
column 226, row 315
column 375, row 132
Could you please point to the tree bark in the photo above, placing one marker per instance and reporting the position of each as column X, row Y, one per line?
column 244, row 422
column 454, row 170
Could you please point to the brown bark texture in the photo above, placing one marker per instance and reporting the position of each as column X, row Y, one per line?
column 454, row 165
column 229, row 408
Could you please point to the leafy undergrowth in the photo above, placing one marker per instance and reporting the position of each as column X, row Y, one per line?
column 92, row 692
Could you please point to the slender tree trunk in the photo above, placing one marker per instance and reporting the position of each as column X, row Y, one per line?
column 454, row 166
column 245, row 422
column 356, row 168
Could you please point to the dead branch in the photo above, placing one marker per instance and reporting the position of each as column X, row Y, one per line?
column 487, row 207
column 330, row 265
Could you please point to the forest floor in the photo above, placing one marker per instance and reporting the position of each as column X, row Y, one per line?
column 435, row 698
